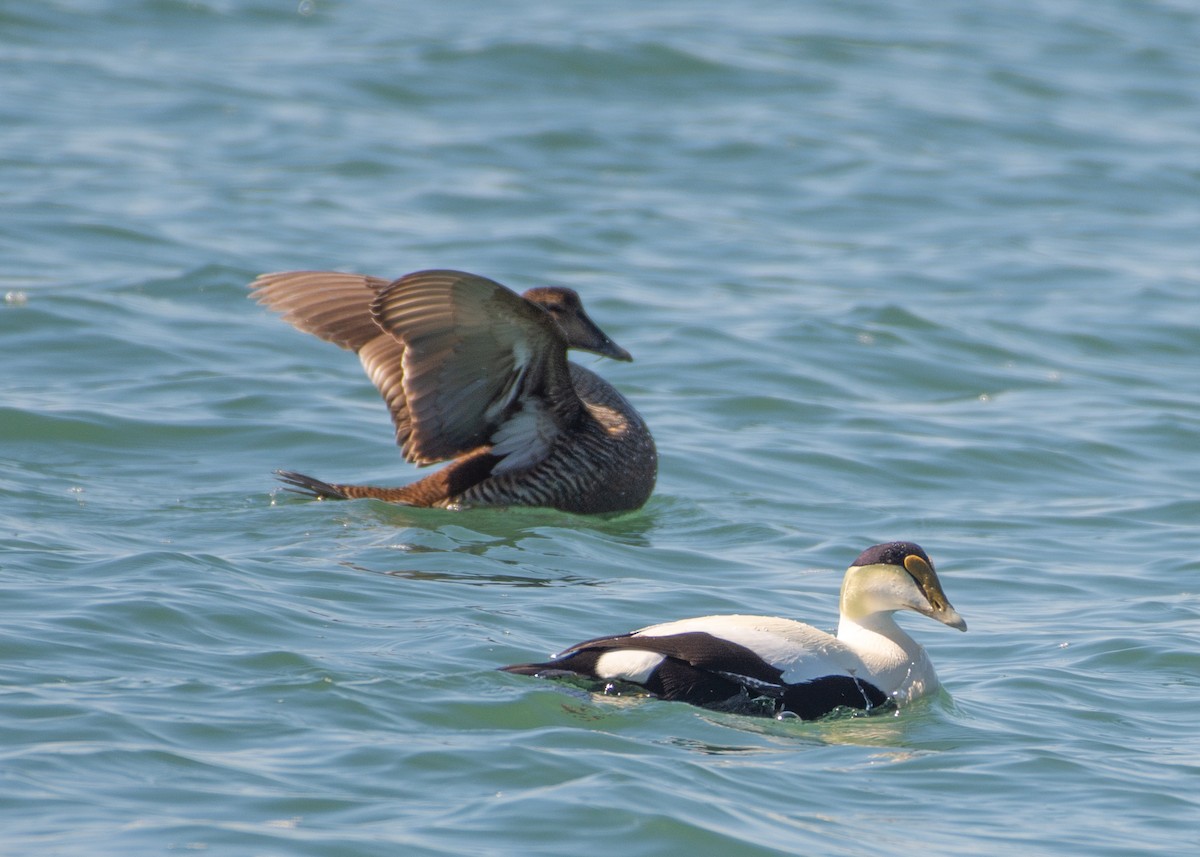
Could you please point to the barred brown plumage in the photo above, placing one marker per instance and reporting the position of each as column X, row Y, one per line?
column 476, row 374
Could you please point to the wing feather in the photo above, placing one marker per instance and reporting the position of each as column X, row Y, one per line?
column 477, row 357
column 331, row 305
column 337, row 308
column 696, row 648
column 461, row 361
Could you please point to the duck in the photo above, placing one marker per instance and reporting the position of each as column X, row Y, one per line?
column 477, row 375
column 781, row 667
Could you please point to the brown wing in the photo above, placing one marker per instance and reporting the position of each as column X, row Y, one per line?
column 482, row 366
column 337, row 308
column 334, row 306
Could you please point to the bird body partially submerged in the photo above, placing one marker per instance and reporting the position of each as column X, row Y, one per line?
column 730, row 661
column 475, row 374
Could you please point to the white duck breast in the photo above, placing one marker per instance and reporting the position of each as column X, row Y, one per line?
column 730, row 661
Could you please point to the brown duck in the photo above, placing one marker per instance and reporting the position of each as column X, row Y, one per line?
column 477, row 374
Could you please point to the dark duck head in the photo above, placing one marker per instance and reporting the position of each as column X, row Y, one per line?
column 566, row 308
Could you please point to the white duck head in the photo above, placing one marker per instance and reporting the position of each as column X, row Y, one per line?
column 885, row 579
column 895, row 576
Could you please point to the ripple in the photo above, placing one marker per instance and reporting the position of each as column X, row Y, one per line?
column 889, row 272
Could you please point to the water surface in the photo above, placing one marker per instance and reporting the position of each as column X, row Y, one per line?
column 887, row 273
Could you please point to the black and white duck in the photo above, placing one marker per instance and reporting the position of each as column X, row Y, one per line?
column 478, row 375
column 762, row 664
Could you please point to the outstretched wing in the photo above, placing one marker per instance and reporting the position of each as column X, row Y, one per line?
column 337, row 308
column 334, row 306
column 481, row 366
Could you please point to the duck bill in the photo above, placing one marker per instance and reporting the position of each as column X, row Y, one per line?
column 936, row 605
column 586, row 335
column 949, row 616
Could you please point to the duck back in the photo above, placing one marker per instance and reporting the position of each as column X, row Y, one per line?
column 606, row 462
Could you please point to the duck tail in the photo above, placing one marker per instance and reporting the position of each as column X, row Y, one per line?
column 309, row 486
column 298, row 483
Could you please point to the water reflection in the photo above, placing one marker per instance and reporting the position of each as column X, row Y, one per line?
column 416, row 529
column 476, row 579
column 511, row 524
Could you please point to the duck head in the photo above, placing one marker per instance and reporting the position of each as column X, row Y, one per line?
column 581, row 332
column 896, row 576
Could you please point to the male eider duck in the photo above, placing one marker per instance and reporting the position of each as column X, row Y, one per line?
column 760, row 664
column 475, row 373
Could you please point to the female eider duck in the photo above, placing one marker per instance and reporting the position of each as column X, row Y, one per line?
column 473, row 372
column 757, row 664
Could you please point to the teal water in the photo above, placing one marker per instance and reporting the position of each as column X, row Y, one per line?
column 887, row 272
